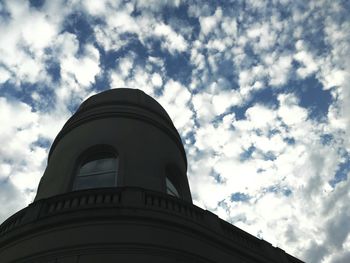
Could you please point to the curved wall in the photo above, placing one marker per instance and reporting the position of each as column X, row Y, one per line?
column 143, row 137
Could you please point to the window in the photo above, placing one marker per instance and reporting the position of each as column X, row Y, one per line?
column 98, row 170
column 171, row 189
column 172, row 180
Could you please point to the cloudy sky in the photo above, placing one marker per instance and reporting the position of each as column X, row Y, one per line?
column 259, row 91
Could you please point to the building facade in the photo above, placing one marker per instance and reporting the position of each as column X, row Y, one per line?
column 115, row 190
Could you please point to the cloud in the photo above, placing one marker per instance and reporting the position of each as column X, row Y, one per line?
column 99, row 8
column 83, row 68
column 289, row 111
column 24, row 38
column 4, row 75
column 175, row 100
column 155, row 5
column 19, row 139
column 308, row 65
column 157, row 80
column 235, row 81
column 208, row 23
column 11, row 198
column 172, row 40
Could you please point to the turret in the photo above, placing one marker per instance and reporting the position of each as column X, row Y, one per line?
column 117, row 138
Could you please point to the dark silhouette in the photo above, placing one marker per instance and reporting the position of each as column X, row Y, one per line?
column 115, row 190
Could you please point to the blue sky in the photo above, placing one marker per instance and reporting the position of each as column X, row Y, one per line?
column 259, row 91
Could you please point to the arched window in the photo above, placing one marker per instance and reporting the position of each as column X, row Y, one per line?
column 96, row 171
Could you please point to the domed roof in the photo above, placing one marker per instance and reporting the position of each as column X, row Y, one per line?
column 125, row 96
column 130, row 103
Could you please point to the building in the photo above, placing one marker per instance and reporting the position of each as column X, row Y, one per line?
column 115, row 190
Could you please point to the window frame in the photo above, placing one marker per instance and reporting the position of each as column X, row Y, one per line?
column 90, row 155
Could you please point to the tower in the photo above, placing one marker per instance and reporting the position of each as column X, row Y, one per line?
column 115, row 190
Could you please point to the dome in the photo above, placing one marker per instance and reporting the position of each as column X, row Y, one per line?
column 125, row 96
column 132, row 101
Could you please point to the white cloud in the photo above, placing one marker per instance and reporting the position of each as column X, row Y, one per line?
column 210, row 105
column 229, row 26
column 175, row 99
column 172, row 40
column 18, row 138
column 119, row 21
column 157, row 80
column 38, row 32
column 97, row 8
column 11, row 198
column 208, row 23
column 291, row 113
column 261, row 116
column 125, row 66
column 83, row 68
column 279, row 70
column 155, row 5
column 24, row 38
column 262, row 35
column 131, row 75
column 335, row 77
column 197, row 58
column 308, row 67
column 4, row 75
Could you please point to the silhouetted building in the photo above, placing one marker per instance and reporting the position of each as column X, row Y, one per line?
column 115, row 190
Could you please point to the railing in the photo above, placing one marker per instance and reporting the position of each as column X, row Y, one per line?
column 239, row 236
column 78, row 200
column 81, row 201
column 99, row 198
column 129, row 197
column 172, row 204
column 12, row 222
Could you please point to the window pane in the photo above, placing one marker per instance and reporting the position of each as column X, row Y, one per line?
column 170, row 188
column 105, row 164
column 97, row 171
column 95, row 181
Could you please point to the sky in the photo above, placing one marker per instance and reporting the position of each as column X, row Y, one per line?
column 258, row 90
